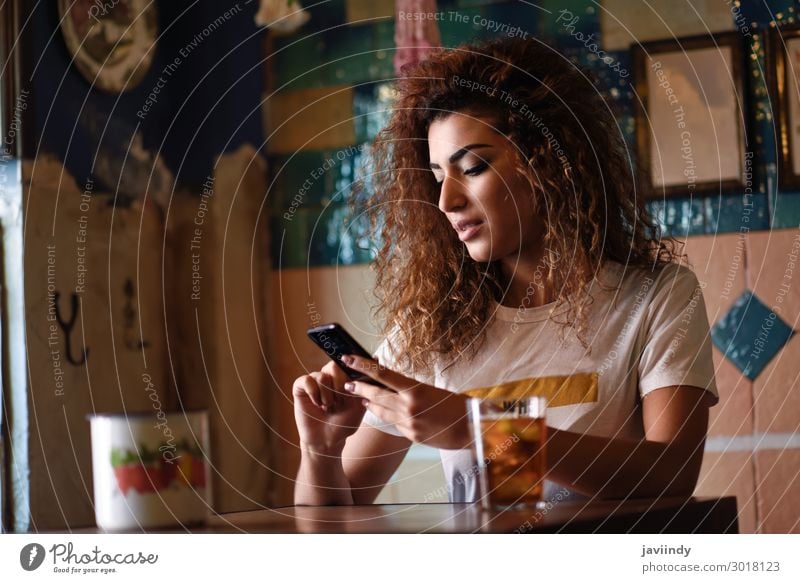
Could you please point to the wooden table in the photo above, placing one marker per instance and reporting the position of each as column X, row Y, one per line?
column 666, row 515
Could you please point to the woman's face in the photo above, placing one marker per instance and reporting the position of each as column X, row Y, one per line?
column 488, row 203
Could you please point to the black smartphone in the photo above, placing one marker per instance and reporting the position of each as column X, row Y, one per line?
column 336, row 341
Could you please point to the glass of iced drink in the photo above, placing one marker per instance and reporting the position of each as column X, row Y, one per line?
column 509, row 437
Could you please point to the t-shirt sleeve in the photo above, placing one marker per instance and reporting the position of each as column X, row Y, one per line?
column 385, row 356
column 677, row 345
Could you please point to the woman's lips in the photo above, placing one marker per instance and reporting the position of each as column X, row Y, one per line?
column 468, row 229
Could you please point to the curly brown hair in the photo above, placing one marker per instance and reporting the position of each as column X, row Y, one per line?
column 433, row 298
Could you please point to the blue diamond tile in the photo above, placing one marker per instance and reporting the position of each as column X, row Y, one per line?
column 750, row 334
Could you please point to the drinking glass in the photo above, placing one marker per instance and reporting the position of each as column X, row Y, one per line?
column 509, row 437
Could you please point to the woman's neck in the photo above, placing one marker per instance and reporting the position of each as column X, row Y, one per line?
column 530, row 283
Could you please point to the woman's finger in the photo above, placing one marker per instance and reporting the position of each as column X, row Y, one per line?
column 384, row 414
column 376, row 371
column 325, row 389
column 336, row 373
column 385, row 397
column 307, row 385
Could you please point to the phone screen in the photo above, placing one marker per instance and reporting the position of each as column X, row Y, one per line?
column 336, row 342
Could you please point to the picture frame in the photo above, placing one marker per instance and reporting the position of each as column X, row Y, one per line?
column 691, row 115
column 783, row 74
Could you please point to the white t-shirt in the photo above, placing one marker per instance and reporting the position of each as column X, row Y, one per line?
column 650, row 333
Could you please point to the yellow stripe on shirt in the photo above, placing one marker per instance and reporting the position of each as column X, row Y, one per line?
column 559, row 390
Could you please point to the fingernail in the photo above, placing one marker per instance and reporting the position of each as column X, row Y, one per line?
column 347, row 359
column 324, row 407
column 349, row 387
column 365, row 402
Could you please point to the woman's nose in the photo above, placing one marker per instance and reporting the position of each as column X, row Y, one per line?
column 451, row 196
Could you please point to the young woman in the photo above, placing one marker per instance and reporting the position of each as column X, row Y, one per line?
column 516, row 255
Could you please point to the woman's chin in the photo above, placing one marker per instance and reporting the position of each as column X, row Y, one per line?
column 489, row 251
column 480, row 253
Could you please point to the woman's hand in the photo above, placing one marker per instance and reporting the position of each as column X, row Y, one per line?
column 422, row 413
column 325, row 414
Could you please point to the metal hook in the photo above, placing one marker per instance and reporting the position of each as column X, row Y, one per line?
column 67, row 326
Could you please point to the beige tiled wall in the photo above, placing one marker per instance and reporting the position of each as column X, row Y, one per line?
column 752, row 447
column 776, row 389
column 778, row 490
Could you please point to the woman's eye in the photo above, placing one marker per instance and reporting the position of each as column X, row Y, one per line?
column 475, row 170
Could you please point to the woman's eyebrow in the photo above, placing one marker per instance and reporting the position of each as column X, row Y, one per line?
column 458, row 154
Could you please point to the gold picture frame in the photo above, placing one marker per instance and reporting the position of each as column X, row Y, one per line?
column 783, row 80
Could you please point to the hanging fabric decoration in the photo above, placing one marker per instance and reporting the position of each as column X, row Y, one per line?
column 281, row 16
column 416, row 37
